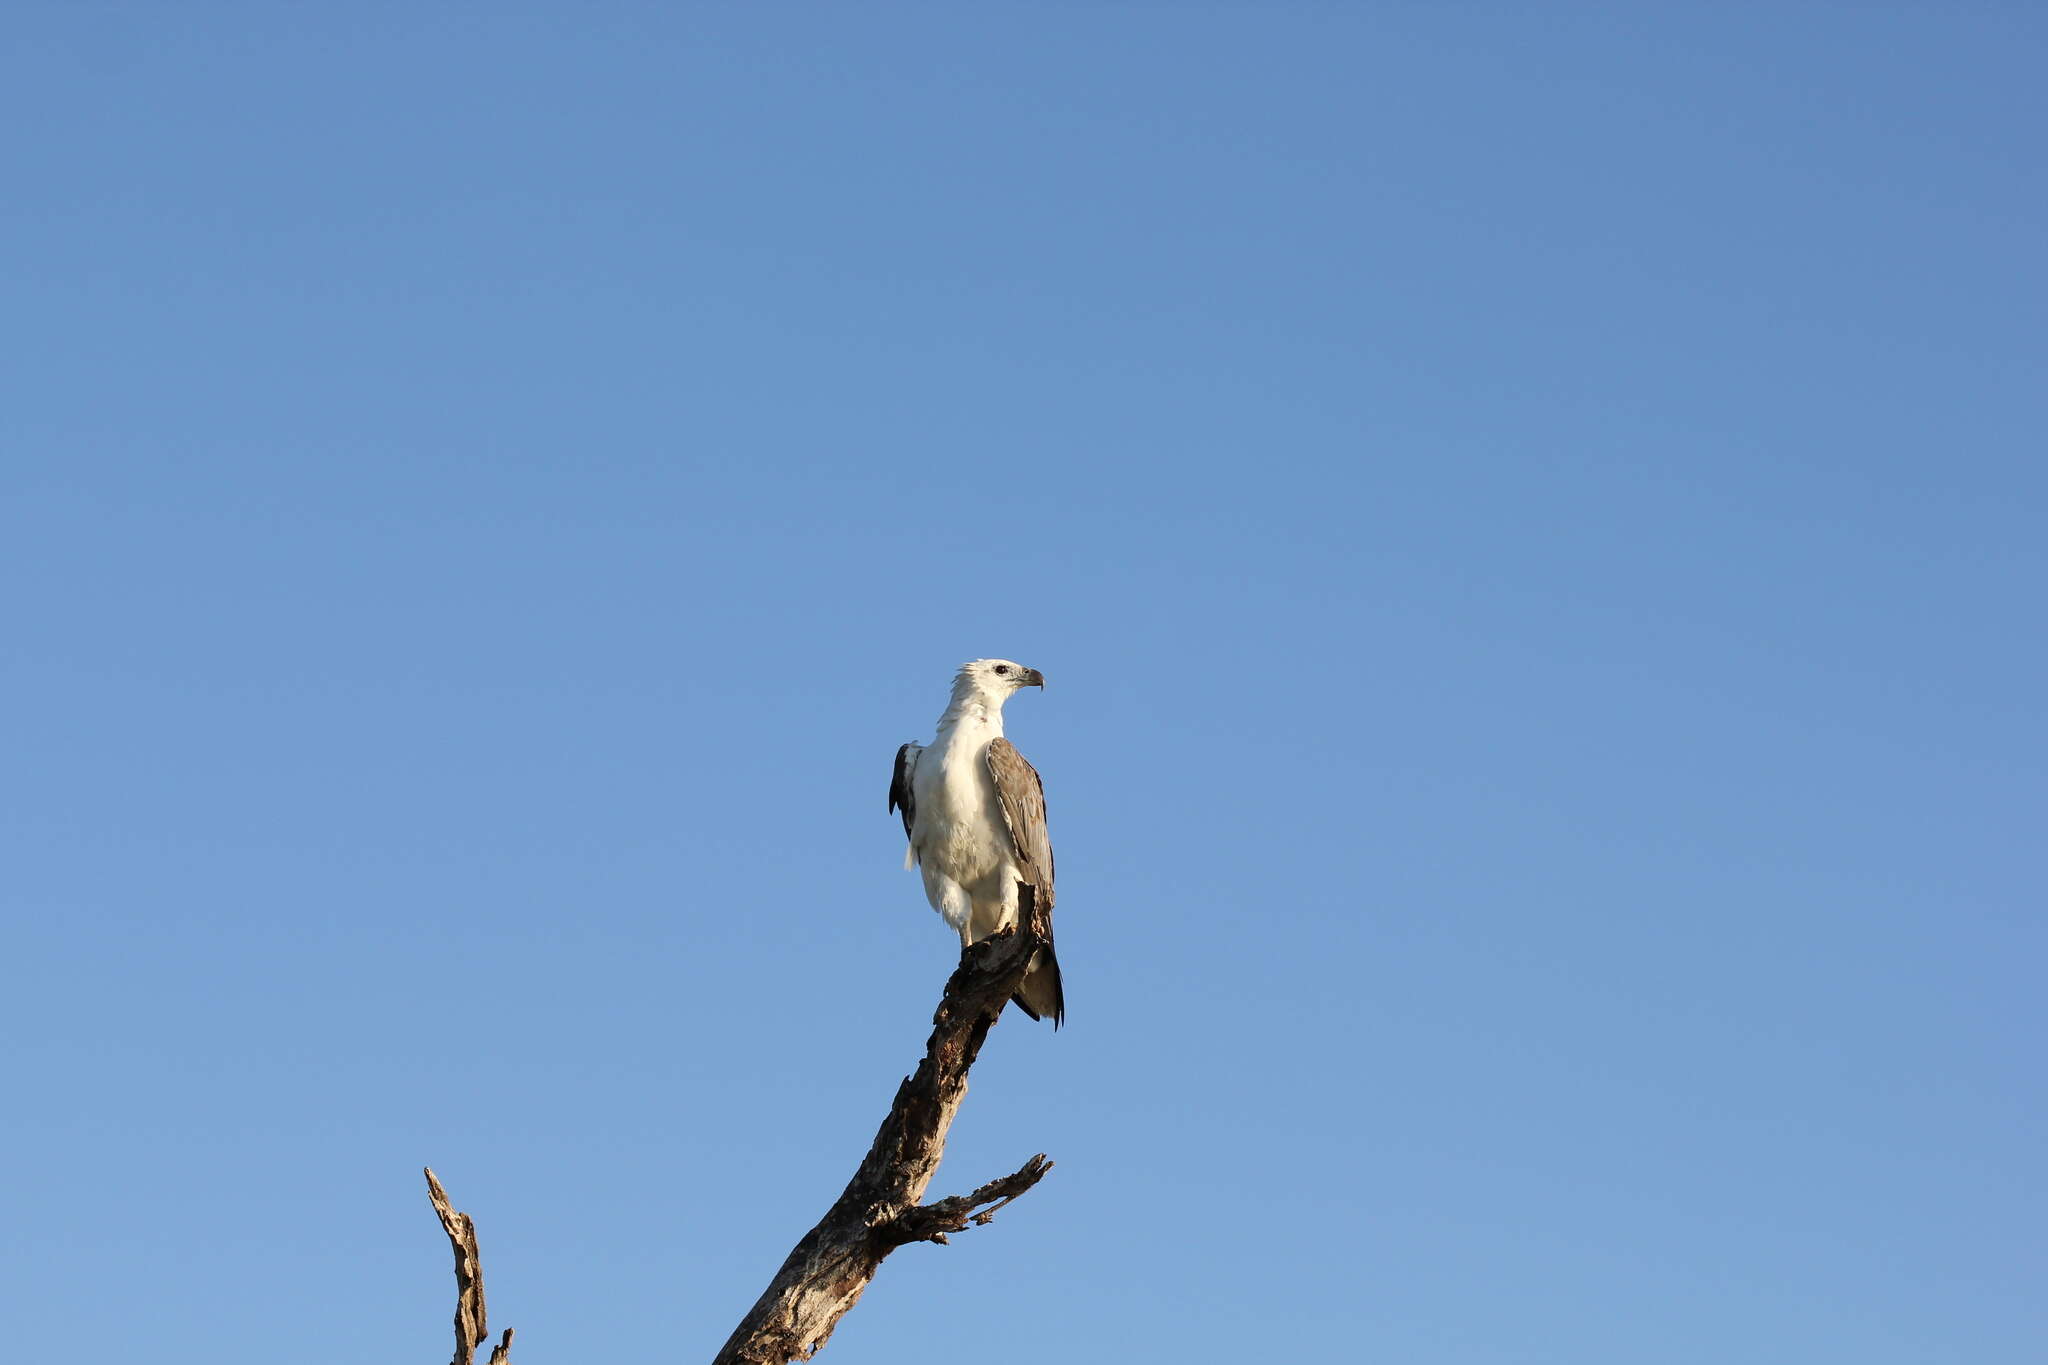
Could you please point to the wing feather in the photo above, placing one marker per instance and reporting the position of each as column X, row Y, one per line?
column 1023, row 801
column 1022, row 797
column 901, row 795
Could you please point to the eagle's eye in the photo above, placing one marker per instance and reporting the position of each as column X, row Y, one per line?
column 1002, row 668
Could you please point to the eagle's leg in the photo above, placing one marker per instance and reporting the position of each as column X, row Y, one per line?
column 994, row 908
column 950, row 899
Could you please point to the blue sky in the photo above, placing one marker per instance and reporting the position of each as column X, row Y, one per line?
column 1532, row 517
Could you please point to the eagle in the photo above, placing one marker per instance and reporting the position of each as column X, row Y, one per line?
column 974, row 812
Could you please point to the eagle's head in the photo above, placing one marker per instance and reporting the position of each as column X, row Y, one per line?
column 997, row 678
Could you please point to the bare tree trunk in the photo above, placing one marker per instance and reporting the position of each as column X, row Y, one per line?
column 830, row 1268
column 470, row 1324
column 878, row 1211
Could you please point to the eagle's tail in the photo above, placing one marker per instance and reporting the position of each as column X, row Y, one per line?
column 1040, row 993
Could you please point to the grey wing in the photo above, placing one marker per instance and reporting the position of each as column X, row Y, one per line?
column 1023, row 799
column 900, row 794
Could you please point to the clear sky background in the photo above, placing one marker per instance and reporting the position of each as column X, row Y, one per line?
column 1532, row 515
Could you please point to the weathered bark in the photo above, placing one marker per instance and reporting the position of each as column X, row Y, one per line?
column 879, row 1211
column 471, row 1326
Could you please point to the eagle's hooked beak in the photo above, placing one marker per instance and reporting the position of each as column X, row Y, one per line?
column 1033, row 678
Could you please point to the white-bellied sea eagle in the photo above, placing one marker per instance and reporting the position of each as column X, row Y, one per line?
column 975, row 814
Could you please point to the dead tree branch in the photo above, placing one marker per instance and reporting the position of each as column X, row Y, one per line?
column 470, row 1323
column 879, row 1211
